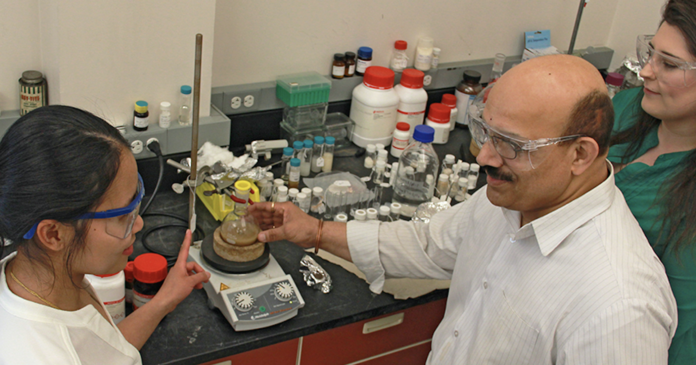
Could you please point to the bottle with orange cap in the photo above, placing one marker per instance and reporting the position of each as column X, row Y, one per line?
column 149, row 272
column 450, row 100
column 439, row 118
column 412, row 98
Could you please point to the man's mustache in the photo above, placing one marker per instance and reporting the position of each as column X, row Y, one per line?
column 497, row 174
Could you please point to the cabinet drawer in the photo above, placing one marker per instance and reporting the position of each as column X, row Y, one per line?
column 284, row 353
column 349, row 343
column 415, row 355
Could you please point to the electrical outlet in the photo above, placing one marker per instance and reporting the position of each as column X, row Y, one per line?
column 236, row 102
column 249, row 101
column 137, row 146
column 241, row 100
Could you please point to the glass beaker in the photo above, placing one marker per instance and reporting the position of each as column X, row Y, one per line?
column 238, row 227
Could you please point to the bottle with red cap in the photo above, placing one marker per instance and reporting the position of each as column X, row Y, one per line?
column 149, row 272
column 399, row 60
column 111, row 290
column 401, row 139
column 451, row 101
column 439, row 118
column 373, row 107
column 128, row 271
column 412, row 98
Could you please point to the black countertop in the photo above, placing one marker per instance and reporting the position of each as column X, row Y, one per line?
column 193, row 333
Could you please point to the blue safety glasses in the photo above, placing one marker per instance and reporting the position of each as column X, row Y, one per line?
column 119, row 222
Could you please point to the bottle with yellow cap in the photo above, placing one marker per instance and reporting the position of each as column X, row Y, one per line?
column 238, row 227
column 141, row 116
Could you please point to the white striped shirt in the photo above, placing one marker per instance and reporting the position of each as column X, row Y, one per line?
column 580, row 285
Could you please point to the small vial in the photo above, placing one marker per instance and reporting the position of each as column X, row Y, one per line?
column 448, row 163
column 395, row 211
column 294, row 175
column 463, row 191
column 338, row 69
column 442, row 185
column 364, row 60
column 317, row 203
column 372, row 214
column 297, row 146
column 399, row 60
column 185, row 108
column 341, row 217
column 292, row 195
column 498, row 65
column 328, row 154
column 282, row 194
column 277, row 183
column 379, row 146
column 464, row 171
column 165, row 117
column 306, row 160
column 360, row 215
column 378, row 176
column 307, row 191
column 382, row 155
column 304, row 202
column 285, row 163
column 384, row 211
column 350, row 64
column 473, row 175
column 370, row 156
column 317, row 154
column 436, row 57
column 266, row 186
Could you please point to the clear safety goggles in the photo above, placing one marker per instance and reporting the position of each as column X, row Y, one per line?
column 118, row 222
column 670, row 70
column 508, row 147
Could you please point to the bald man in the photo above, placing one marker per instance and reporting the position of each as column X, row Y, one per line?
column 548, row 266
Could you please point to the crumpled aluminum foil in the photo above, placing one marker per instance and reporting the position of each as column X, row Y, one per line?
column 315, row 275
column 425, row 211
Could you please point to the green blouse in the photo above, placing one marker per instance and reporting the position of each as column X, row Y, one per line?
column 640, row 185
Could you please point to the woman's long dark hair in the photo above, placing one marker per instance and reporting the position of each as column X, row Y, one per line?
column 677, row 194
column 56, row 162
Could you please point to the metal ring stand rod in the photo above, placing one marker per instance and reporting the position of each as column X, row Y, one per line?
column 196, row 112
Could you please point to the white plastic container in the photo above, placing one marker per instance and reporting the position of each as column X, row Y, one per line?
column 111, row 290
column 412, row 98
column 424, row 53
column 400, row 139
column 373, row 107
column 165, row 118
column 451, row 101
column 438, row 118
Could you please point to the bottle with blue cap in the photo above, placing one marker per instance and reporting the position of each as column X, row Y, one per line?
column 285, row 163
column 418, row 165
column 294, row 175
column 328, row 155
column 317, row 153
column 185, row 109
column 364, row 60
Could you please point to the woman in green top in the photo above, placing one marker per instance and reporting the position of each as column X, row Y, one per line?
column 654, row 155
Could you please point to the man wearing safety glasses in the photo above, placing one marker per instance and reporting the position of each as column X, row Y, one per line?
column 548, row 266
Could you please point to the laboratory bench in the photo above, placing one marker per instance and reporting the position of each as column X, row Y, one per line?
column 330, row 329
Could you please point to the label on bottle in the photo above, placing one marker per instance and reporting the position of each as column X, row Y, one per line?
column 399, row 144
column 362, row 65
column 116, row 309
column 371, row 122
column 164, row 121
column 140, row 300
column 140, row 122
column 338, row 71
column 463, row 103
column 30, row 98
column 351, row 70
column 423, row 61
column 412, row 118
column 294, row 175
column 320, row 161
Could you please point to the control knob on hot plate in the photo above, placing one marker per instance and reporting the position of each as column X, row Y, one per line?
column 243, row 301
column 283, row 291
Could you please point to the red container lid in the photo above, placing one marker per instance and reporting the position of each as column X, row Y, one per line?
column 614, row 78
column 107, row 275
column 400, row 45
column 403, row 126
column 439, row 113
column 412, row 78
column 128, row 271
column 378, row 77
column 450, row 100
column 150, row 268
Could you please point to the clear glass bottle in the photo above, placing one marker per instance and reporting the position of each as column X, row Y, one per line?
column 436, row 58
column 277, row 183
column 282, row 194
column 442, row 186
column 285, row 163
column 306, row 159
column 266, row 187
column 341, row 217
column 185, row 109
column 378, row 175
column 463, row 191
column 399, row 60
column 304, row 202
column 292, row 195
column 294, row 174
column 238, row 227
column 317, row 154
column 317, row 207
column 498, row 64
column 328, row 154
column 424, row 54
column 447, row 164
column 394, row 211
column 360, row 215
column 372, row 214
column 370, row 156
column 473, row 175
column 384, row 213
column 417, row 166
